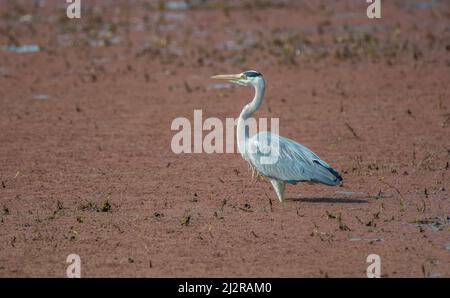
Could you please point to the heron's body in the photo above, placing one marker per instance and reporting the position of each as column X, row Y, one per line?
column 292, row 162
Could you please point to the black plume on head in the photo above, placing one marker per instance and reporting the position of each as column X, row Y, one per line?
column 252, row 74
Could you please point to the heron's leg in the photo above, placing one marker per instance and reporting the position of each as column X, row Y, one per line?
column 279, row 188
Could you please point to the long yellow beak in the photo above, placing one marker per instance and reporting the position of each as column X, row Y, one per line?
column 228, row 77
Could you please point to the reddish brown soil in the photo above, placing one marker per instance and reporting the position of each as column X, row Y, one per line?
column 371, row 97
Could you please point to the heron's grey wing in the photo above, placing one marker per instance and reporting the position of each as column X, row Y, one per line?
column 289, row 161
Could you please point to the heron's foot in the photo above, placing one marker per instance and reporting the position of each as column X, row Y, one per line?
column 278, row 186
column 259, row 177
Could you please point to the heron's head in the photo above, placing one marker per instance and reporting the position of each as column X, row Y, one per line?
column 246, row 78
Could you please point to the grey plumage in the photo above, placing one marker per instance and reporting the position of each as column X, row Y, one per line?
column 294, row 163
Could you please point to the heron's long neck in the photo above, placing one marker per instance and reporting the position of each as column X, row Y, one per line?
column 247, row 112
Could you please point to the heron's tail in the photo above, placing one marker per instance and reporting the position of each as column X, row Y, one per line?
column 326, row 174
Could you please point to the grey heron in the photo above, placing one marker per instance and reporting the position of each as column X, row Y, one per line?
column 293, row 163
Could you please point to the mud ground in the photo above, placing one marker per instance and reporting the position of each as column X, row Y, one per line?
column 86, row 165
